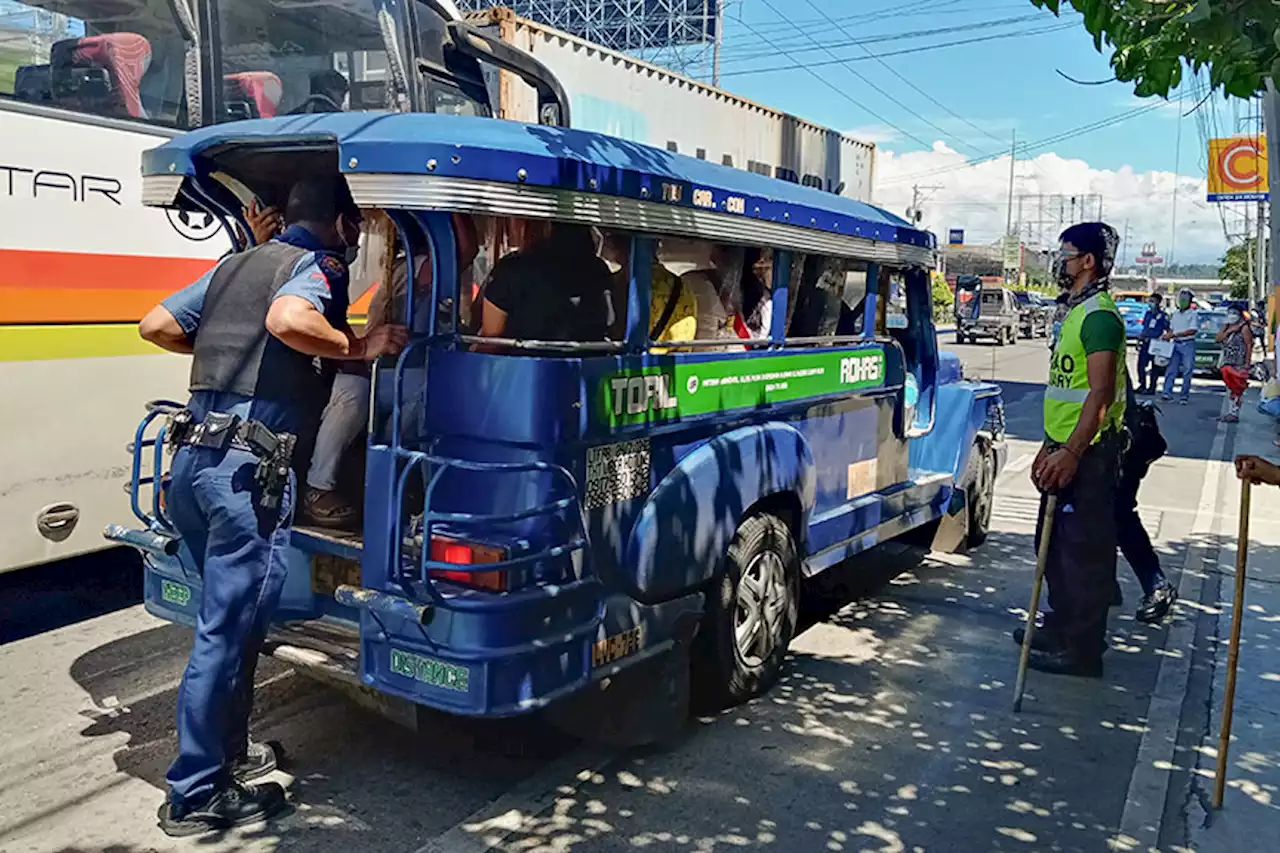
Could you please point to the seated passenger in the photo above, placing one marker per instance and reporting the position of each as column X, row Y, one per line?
column 328, row 93
column 347, row 414
column 554, row 288
column 712, row 274
column 673, row 309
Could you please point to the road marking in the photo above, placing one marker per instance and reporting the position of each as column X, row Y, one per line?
column 1020, row 464
column 493, row 824
column 1149, row 785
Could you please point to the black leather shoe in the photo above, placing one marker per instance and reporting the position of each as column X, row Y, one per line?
column 235, row 805
column 1041, row 640
column 261, row 760
column 1155, row 607
column 1066, row 662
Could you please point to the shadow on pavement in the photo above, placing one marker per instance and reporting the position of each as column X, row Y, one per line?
column 890, row 730
column 54, row 595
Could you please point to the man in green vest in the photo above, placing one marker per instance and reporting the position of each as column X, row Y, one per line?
column 1084, row 406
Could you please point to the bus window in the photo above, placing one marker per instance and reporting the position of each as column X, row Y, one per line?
column 315, row 57
column 85, row 56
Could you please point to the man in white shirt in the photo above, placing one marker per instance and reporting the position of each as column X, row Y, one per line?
column 1183, row 324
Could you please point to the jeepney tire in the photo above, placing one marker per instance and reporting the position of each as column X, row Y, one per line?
column 980, row 494
column 762, row 549
column 959, row 338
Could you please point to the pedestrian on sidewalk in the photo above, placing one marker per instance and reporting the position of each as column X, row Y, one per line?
column 1084, row 407
column 1146, row 445
column 1237, row 349
column 1183, row 325
column 1154, row 325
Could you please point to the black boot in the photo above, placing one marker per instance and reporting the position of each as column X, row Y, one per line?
column 1066, row 662
column 260, row 760
column 1042, row 640
column 234, row 805
column 1155, row 606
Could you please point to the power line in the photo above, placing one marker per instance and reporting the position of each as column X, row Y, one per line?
column 769, row 5
column 763, row 45
column 769, row 43
column 916, row 88
column 911, row 50
column 1041, row 143
column 849, row 97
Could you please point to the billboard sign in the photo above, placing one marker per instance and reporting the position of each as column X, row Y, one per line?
column 1238, row 169
column 955, row 237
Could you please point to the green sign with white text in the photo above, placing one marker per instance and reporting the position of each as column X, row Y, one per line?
column 685, row 389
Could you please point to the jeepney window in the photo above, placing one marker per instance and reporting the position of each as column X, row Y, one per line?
column 547, row 281
column 819, row 298
column 281, row 57
column 707, row 292
column 89, row 58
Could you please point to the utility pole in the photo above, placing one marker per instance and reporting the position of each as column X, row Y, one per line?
column 914, row 213
column 1013, row 160
column 715, row 48
column 1124, row 242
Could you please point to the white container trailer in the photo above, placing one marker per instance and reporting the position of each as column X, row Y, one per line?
column 616, row 94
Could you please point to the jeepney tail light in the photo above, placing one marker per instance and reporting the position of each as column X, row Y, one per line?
column 468, row 554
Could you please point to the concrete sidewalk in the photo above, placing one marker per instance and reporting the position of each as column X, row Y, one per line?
column 1251, row 809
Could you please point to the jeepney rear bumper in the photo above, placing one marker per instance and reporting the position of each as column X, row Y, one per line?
column 543, row 644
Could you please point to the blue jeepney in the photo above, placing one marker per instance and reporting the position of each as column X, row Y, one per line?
column 541, row 517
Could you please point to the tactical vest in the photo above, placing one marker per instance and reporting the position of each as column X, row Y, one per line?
column 1069, row 375
column 234, row 352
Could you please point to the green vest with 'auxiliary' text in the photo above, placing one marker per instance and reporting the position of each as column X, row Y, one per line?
column 1069, row 375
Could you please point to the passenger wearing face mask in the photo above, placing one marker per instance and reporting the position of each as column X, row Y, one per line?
column 256, row 326
column 1236, row 338
column 1183, row 325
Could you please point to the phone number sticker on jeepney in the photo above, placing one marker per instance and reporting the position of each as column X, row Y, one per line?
column 431, row 671
column 175, row 593
column 617, row 472
column 687, row 389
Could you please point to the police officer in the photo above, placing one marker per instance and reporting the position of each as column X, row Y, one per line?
column 1084, row 409
column 255, row 325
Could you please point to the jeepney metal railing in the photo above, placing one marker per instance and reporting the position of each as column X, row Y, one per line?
column 156, row 518
column 408, row 460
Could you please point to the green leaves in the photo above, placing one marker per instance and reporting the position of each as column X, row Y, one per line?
column 1237, row 40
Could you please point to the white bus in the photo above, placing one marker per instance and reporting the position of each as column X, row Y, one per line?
column 85, row 87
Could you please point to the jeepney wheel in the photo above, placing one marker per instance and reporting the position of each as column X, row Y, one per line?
column 751, row 616
column 981, row 494
column 960, row 338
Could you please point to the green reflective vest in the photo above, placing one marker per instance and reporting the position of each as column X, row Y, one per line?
column 1069, row 375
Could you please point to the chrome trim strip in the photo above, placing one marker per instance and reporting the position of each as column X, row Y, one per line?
column 10, row 104
column 160, row 190
column 489, row 198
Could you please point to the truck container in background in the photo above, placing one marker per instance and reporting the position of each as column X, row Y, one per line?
column 616, row 94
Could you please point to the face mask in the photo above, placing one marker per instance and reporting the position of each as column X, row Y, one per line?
column 1184, row 304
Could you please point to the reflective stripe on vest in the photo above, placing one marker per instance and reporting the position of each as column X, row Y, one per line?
column 1068, row 386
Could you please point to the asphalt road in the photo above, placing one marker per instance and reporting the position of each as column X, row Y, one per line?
column 891, row 729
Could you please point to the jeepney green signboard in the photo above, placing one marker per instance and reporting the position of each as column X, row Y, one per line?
column 175, row 593
column 684, row 389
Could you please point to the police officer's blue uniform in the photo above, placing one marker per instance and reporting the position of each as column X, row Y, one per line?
column 238, row 545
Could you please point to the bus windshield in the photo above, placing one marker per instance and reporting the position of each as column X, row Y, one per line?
column 283, row 57
column 90, row 57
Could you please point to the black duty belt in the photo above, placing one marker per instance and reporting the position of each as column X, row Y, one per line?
column 220, row 430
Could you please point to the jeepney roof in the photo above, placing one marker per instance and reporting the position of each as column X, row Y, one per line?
column 422, row 160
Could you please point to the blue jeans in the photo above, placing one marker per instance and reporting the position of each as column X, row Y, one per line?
column 240, row 550
column 1183, row 363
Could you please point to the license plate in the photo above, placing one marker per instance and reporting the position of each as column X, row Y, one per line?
column 175, row 593
column 329, row 572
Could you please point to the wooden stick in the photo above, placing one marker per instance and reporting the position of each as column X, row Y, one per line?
column 1233, row 648
column 1042, row 559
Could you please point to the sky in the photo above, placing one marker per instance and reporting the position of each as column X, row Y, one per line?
column 930, row 111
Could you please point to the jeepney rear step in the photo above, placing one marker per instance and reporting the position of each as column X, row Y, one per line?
column 322, row 648
column 345, row 543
